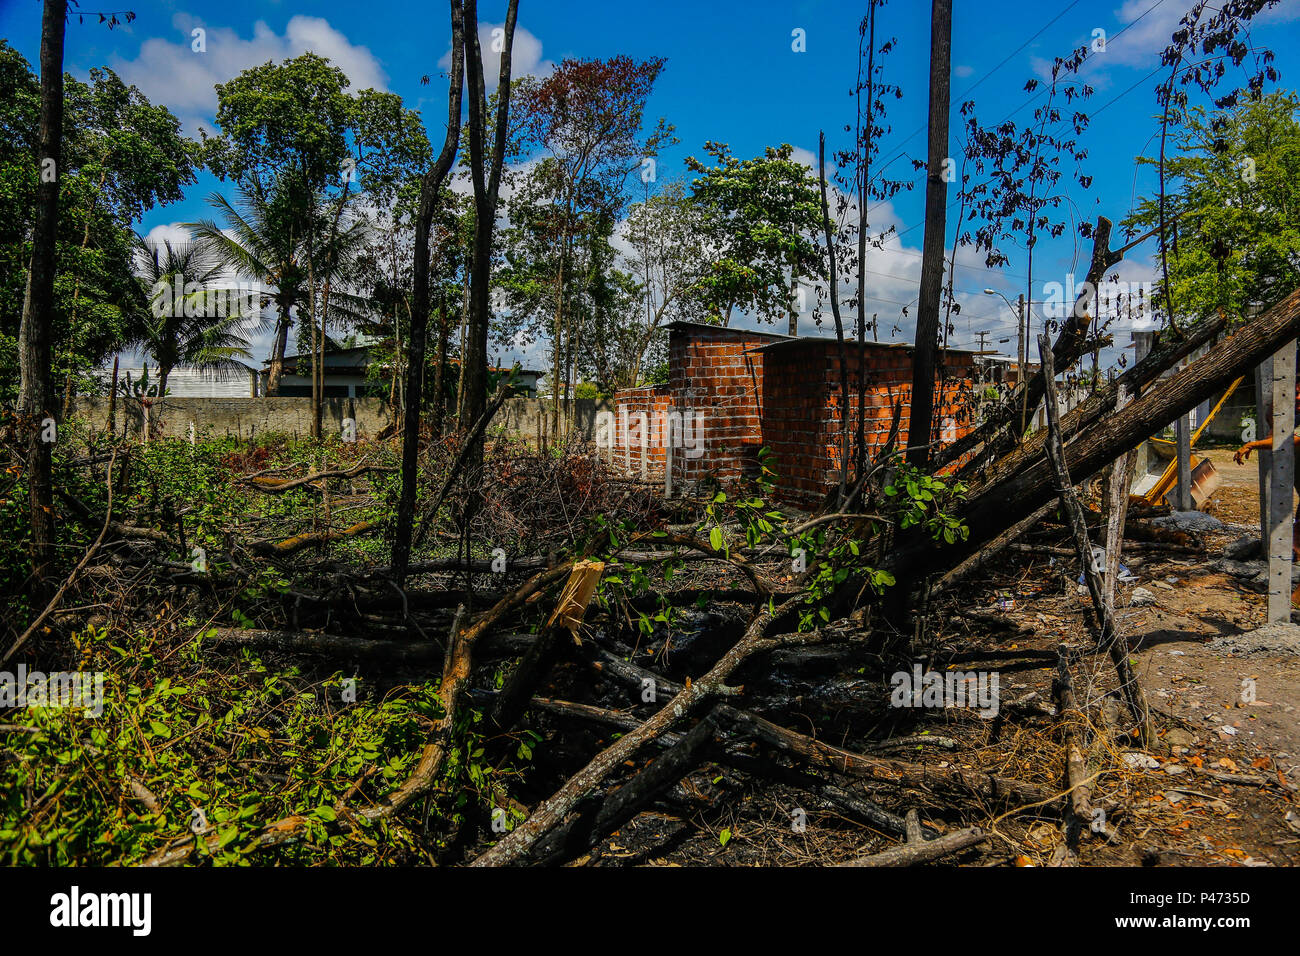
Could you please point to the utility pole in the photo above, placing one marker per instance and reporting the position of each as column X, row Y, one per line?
column 1022, row 356
column 983, row 334
column 938, row 167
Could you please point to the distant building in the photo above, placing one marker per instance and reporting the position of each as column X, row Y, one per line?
column 241, row 382
column 347, row 374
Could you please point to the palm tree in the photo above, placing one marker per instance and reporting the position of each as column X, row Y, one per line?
column 285, row 238
column 263, row 239
column 193, row 321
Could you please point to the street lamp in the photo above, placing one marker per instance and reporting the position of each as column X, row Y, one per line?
column 1022, row 355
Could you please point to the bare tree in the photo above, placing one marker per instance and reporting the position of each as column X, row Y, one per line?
column 486, row 175
column 36, row 392
column 430, row 187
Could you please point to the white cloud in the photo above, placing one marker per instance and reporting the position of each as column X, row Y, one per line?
column 1148, row 26
column 175, row 74
column 172, row 232
column 525, row 54
column 962, row 71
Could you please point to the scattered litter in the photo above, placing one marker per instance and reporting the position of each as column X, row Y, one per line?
column 1141, row 761
column 1174, row 797
column 1141, row 597
column 1230, row 731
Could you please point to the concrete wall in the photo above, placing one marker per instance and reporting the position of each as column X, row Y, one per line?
column 249, row 417
column 526, row 417
column 241, row 417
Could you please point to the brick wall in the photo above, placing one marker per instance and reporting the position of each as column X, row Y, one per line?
column 716, row 374
column 634, row 436
column 801, row 408
column 711, row 406
column 734, row 391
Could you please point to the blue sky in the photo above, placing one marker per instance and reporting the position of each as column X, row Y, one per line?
column 732, row 76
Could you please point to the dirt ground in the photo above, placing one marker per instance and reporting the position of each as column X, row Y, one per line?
column 1217, row 788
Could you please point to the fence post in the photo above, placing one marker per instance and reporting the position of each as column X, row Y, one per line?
column 1282, row 481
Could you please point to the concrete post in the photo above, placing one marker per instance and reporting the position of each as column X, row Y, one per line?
column 1281, row 483
column 1183, row 491
column 1264, row 422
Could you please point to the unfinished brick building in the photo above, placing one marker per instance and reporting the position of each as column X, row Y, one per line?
column 732, row 392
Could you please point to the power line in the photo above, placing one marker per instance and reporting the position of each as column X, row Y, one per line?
column 970, row 89
column 1031, row 99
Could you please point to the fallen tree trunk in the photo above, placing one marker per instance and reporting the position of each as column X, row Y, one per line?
column 277, row 486
column 311, row 539
column 816, row 753
column 1106, row 400
column 624, row 803
column 563, row 623
column 1003, row 502
column 996, row 432
column 916, row 851
column 338, row 647
column 551, row 812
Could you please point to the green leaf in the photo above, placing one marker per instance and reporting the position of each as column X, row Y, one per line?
column 715, row 538
column 725, row 836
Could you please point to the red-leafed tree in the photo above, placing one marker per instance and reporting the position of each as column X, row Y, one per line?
column 585, row 122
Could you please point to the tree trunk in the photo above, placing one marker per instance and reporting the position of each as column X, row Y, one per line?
column 464, row 321
column 864, row 177
column 276, row 371
column 112, row 399
column 315, row 360
column 36, row 396
column 429, row 189
column 557, row 340
column 927, row 311
column 1002, row 502
column 839, row 324
column 330, row 264
column 486, row 174
column 439, row 400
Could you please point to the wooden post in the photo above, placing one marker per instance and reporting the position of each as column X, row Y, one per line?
column 1117, row 487
column 1281, row 482
column 1263, row 422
